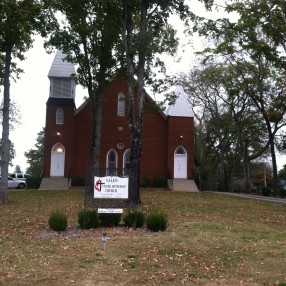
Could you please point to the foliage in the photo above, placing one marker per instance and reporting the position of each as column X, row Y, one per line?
column 282, row 173
column 35, row 157
column 159, row 182
column 58, row 221
column 79, row 181
column 20, row 20
column 266, row 191
column 252, row 44
column 33, row 182
column 89, row 35
column 109, row 219
column 12, row 152
column 17, row 169
column 157, row 221
column 88, row 219
column 282, row 193
column 134, row 219
column 145, row 182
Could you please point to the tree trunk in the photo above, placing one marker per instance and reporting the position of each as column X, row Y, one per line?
column 97, row 124
column 133, row 178
column 246, row 169
column 5, row 125
column 274, row 164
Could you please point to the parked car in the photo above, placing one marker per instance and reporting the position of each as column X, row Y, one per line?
column 15, row 183
column 19, row 176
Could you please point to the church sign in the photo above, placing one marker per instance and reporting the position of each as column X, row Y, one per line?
column 110, row 187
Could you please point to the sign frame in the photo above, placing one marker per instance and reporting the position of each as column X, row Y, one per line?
column 110, row 187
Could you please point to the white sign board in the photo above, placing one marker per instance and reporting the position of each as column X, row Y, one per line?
column 110, row 187
column 110, row 211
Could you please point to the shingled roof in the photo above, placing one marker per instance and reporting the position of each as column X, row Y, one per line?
column 182, row 107
column 60, row 67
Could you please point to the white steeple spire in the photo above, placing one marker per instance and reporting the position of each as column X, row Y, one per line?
column 61, row 67
column 182, row 107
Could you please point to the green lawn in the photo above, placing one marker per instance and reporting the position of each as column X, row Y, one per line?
column 211, row 240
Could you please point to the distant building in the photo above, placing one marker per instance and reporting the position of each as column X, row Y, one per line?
column 168, row 139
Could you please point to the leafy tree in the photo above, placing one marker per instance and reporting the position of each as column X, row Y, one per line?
column 35, row 156
column 282, row 173
column 143, row 22
column 229, row 131
column 252, row 46
column 12, row 152
column 17, row 169
column 89, row 36
column 19, row 21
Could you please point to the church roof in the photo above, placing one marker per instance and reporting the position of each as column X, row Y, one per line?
column 60, row 67
column 182, row 107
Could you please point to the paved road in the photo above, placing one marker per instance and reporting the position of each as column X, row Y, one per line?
column 255, row 197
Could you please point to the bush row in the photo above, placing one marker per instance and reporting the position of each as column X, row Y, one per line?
column 88, row 219
column 267, row 191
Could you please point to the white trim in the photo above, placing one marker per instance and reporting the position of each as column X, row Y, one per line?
column 180, row 164
column 57, row 168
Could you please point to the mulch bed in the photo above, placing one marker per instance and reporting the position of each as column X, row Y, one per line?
column 113, row 232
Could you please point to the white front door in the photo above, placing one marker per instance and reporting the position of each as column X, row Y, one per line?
column 57, row 161
column 180, row 163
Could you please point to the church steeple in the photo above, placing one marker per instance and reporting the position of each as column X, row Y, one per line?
column 62, row 80
column 181, row 107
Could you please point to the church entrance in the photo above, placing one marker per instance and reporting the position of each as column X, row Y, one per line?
column 58, row 161
column 180, row 163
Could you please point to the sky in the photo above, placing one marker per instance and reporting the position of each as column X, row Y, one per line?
column 31, row 91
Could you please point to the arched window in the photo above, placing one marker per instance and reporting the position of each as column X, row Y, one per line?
column 111, row 162
column 180, row 150
column 126, row 163
column 59, row 116
column 58, row 148
column 121, row 104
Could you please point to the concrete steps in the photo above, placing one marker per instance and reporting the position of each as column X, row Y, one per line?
column 183, row 185
column 54, row 183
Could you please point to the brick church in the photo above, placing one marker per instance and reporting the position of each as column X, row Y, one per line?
column 168, row 138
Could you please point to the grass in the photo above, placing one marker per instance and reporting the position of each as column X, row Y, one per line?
column 211, row 240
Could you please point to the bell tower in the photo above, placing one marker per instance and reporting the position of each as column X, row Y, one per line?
column 180, row 137
column 59, row 129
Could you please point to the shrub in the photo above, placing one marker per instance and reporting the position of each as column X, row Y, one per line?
column 88, row 219
column 145, row 182
column 282, row 193
column 79, row 181
column 159, row 182
column 33, row 182
column 134, row 219
column 58, row 221
column 266, row 191
column 157, row 221
column 107, row 219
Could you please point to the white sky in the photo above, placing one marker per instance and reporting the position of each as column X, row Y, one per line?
column 31, row 92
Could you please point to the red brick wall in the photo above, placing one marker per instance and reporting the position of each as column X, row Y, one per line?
column 115, row 130
column 66, row 136
column 177, row 127
column 82, row 142
column 161, row 137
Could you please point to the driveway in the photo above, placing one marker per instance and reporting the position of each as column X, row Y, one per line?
column 255, row 197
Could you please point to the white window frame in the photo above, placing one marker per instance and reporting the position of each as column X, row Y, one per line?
column 60, row 116
column 121, row 104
